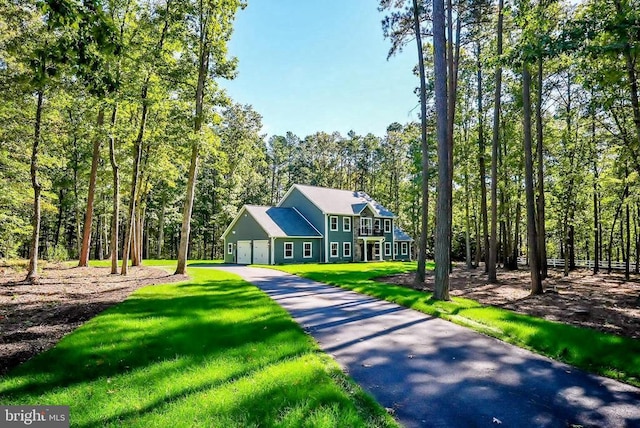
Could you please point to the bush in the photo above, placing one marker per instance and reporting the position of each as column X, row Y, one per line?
column 58, row 254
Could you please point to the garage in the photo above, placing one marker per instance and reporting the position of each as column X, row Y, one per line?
column 261, row 252
column 244, row 252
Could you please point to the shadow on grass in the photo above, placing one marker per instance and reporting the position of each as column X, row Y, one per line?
column 150, row 327
column 602, row 353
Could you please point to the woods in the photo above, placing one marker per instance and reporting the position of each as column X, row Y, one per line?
column 116, row 140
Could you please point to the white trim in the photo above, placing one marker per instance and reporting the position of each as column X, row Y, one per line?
column 229, row 247
column 387, row 249
column 379, row 223
column 337, row 250
column 346, row 245
column 272, row 251
column 387, row 221
column 326, row 241
column 377, row 245
column 345, row 229
column 234, row 221
column 403, row 247
column 331, row 223
column 284, row 248
column 304, row 249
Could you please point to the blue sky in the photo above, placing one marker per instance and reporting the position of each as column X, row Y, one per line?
column 320, row 65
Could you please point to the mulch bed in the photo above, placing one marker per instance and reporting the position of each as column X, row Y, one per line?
column 604, row 302
column 33, row 318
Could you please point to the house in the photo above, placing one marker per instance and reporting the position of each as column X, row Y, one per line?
column 316, row 224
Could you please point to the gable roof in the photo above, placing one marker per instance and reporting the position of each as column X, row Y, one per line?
column 341, row 202
column 282, row 222
column 400, row 235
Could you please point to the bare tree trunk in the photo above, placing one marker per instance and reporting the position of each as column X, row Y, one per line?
column 482, row 165
column 442, row 248
column 542, row 245
column 626, row 260
column 495, row 143
column 534, row 265
column 161, row 228
column 32, row 273
column 422, row 252
column 130, row 230
column 596, row 221
column 116, row 193
column 88, row 216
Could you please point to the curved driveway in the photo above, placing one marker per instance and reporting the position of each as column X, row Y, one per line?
column 433, row 373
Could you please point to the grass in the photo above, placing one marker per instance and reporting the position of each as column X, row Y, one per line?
column 210, row 351
column 606, row 354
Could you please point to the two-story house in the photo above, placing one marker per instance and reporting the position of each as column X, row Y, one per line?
column 316, row 224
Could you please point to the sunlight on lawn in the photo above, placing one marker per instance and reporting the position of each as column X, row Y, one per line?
column 212, row 351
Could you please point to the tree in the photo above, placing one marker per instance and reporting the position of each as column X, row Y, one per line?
column 212, row 30
column 442, row 250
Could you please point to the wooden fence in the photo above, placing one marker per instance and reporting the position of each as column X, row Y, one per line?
column 604, row 264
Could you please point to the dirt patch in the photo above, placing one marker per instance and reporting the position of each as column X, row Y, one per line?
column 604, row 302
column 33, row 318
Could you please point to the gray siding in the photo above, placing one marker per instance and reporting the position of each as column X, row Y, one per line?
column 297, row 200
column 246, row 229
column 316, row 250
column 388, row 237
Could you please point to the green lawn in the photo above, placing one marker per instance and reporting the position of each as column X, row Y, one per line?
column 213, row 351
column 601, row 353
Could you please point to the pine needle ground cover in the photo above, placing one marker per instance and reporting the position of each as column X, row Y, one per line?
column 210, row 351
column 606, row 354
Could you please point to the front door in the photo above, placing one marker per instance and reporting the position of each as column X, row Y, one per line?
column 369, row 250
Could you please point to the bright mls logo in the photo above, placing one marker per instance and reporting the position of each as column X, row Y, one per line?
column 34, row 416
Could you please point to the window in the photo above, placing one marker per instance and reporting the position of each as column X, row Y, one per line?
column 346, row 224
column 376, row 249
column 376, row 224
column 307, row 250
column 230, row 248
column 288, row 250
column 395, row 248
column 387, row 226
column 405, row 246
column 333, row 223
column 334, row 249
column 346, row 249
column 387, row 248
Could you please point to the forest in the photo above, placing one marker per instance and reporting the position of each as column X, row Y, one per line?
column 116, row 140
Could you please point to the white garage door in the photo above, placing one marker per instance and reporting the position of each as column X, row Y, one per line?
column 261, row 252
column 244, row 252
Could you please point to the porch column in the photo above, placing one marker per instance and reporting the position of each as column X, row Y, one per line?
column 365, row 250
column 380, row 250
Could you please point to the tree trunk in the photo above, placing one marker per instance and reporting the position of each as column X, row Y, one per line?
column 596, row 221
column 203, row 67
column 32, row 273
column 534, row 265
column 88, row 216
column 116, row 193
column 443, row 227
column 161, row 228
column 482, row 165
column 542, row 241
column 495, row 143
column 137, row 148
column 613, row 226
column 626, row 260
column 424, row 221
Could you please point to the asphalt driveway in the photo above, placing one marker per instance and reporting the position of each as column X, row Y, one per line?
column 433, row 373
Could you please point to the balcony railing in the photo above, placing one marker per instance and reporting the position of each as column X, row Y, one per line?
column 370, row 231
